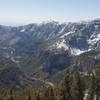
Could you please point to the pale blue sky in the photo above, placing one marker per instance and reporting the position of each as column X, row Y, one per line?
column 17, row 12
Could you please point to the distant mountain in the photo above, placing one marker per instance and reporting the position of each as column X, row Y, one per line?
column 43, row 50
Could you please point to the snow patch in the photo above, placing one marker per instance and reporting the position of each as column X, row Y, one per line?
column 94, row 39
column 75, row 51
column 62, row 30
column 22, row 30
column 61, row 44
column 96, row 26
column 66, row 34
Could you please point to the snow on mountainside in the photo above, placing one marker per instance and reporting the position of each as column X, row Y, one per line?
column 47, row 48
column 60, row 44
column 73, row 37
column 94, row 39
column 75, row 51
column 79, row 37
column 63, row 28
column 66, row 34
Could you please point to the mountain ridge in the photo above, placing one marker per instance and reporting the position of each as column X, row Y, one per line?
column 43, row 50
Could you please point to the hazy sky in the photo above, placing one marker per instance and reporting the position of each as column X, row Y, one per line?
column 14, row 12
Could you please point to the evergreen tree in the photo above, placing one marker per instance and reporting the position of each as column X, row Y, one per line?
column 78, row 88
column 97, row 75
column 92, row 88
column 11, row 95
column 49, row 94
column 38, row 97
column 29, row 97
column 65, row 87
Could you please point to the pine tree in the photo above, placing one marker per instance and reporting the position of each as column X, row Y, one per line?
column 92, row 88
column 29, row 97
column 38, row 97
column 11, row 95
column 49, row 94
column 97, row 75
column 78, row 88
column 65, row 87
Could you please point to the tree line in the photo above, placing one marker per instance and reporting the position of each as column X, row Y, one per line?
column 74, row 86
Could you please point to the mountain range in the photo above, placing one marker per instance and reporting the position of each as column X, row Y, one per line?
column 44, row 51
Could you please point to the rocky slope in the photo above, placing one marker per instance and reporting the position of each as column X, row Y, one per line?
column 43, row 50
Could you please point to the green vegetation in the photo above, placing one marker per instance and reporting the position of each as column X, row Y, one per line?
column 75, row 86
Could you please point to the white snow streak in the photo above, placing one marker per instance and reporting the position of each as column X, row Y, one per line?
column 75, row 51
column 94, row 39
column 66, row 34
column 61, row 44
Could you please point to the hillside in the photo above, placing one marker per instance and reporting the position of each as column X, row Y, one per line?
column 44, row 51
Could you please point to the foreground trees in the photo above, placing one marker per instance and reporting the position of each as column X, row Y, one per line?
column 65, row 87
column 49, row 94
column 78, row 88
column 75, row 86
column 92, row 88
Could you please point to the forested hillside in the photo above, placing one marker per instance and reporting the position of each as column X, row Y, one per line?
column 74, row 86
